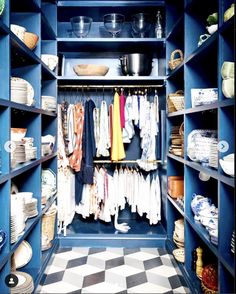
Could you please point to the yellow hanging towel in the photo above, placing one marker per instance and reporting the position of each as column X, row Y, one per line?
column 118, row 151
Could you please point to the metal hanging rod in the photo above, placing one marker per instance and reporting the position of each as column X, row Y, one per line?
column 125, row 161
column 108, row 86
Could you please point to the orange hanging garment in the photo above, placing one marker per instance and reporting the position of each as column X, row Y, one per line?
column 118, row 151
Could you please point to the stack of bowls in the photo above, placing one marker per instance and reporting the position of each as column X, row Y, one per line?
column 49, row 103
column 19, row 91
column 25, row 283
column 178, row 234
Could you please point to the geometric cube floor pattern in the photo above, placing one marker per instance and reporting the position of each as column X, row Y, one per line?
column 112, row 270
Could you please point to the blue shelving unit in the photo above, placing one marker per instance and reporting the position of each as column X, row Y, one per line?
column 201, row 69
column 38, row 17
column 184, row 21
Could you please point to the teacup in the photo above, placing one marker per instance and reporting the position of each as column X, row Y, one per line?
column 212, row 29
column 202, row 39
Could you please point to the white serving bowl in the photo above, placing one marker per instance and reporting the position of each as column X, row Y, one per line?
column 19, row 31
column 17, row 134
column 212, row 29
column 227, row 70
column 50, row 60
column 227, row 166
column 228, row 88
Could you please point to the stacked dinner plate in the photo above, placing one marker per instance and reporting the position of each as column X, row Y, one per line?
column 22, row 91
column 19, row 91
column 18, row 154
column 49, row 103
column 213, row 158
column 14, row 234
column 25, row 283
column 30, row 150
column 31, row 209
column 177, row 141
column 18, row 213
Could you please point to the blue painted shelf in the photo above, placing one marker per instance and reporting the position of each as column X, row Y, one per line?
column 3, row 28
column 47, row 30
column 175, row 71
column 26, row 6
column 176, row 113
column 116, row 3
column 175, row 28
column 177, row 158
column 176, row 205
column 49, row 203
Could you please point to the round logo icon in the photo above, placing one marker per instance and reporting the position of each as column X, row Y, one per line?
column 11, row 280
column 10, row 146
column 223, row 146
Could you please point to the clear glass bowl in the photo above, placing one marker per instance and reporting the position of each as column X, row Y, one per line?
column 81, row 25
column 113, row 23
column 141, row 23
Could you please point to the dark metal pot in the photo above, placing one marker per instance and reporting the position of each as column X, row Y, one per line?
column 136, row 64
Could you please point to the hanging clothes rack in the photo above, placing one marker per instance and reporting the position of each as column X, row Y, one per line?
column 125, row 161
column 109, row 86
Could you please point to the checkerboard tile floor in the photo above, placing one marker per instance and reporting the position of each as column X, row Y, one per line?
column 112, row 270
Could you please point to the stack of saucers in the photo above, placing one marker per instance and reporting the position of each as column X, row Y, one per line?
column 31, row 208
column 25, row 283
column 49, row 103
column 213, row 159
column 19, row 91
column 14, row 234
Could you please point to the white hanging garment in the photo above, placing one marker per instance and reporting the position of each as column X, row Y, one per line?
column 142, row 110
column 70, row 128
column 104, row 138
column 154, row 213
column 65, row 183
column 121, row 196
column 96, row 122
column 156, row 109
column 135, row 111
column 128, row 131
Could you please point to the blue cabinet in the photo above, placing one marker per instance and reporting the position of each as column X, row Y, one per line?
column 201, row 69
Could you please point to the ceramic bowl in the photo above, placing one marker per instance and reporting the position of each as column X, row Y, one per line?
column 50, row 60
column 229, row 157
column 19, row 31
column 228, row 88
column 90, row 70
column 212, row 29
column 2, row 6
column 2, row 239
column 26, row 195
column 17, row 134
column 199, row 203
column 30, row 40
column 227, row 70
column 227, row 166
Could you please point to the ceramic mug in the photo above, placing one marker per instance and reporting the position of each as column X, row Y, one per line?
column 203, row 38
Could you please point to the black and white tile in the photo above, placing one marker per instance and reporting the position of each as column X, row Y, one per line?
column 112, row 270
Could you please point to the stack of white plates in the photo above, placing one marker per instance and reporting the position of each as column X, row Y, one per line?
column 22, row 91
column 30, row 150
column 49, row 103
column 213, row 159
column 14, row 234
column 18, row 154
column 25, row 283
column 18, row 209
column 31, row 209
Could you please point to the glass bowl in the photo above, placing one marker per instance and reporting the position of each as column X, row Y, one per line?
column 81, row 25
column 113, row 23
column 141, row 23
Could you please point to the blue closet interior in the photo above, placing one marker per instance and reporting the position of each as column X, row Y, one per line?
column 183, row 21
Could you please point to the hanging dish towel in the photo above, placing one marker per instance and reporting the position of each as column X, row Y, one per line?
column 104, row 138
column 118, row 151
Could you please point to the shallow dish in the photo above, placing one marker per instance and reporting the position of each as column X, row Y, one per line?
column 2, row 6
column 90, row 70
column 50, row 60
column 30, row 40
column 23, row 254
column 227, row 166
column 19, row 31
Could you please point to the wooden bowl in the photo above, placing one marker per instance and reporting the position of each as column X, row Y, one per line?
column 90, row 70
column 30, row 40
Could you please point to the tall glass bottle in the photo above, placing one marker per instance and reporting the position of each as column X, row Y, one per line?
column 158, row 26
